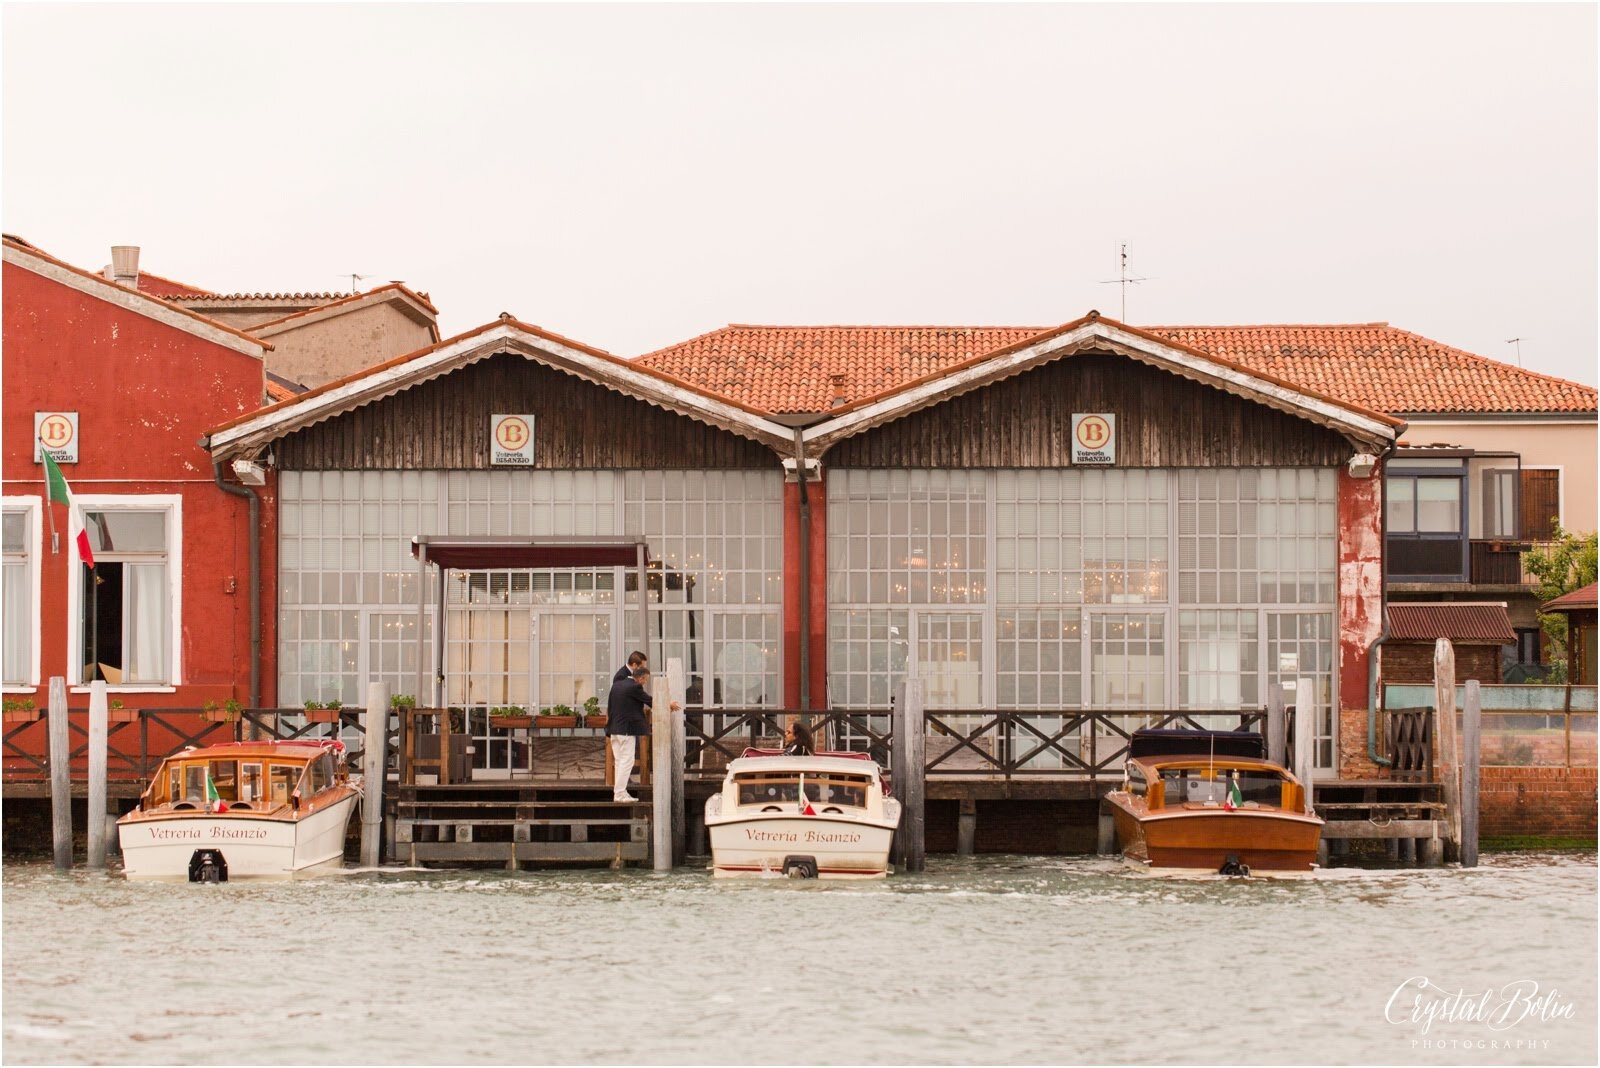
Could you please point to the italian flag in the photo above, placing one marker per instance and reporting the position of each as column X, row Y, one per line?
column 61, row 494
column 1234, row 798
column 213, row 798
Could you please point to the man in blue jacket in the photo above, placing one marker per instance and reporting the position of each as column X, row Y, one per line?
column 627, row 720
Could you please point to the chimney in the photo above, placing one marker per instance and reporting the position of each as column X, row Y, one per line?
column 125, row 265
column 840, row 398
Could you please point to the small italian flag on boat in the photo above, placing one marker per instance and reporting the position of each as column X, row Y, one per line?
column 1234, row 798
column 806, row 808
column 215, row 800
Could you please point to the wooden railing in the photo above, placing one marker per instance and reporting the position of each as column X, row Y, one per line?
column 1408, row 733
column 139, row 739
column 981, row 743
column 1498, row 562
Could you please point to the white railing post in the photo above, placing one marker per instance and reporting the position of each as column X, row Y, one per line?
column 99, row 714
column 374, row 759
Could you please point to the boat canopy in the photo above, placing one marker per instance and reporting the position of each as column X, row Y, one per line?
column 1154, row 742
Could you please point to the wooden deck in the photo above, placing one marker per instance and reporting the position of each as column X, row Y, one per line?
column 516, row 823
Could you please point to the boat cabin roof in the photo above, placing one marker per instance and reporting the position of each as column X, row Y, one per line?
column 1158, row 764
column 283, row 752
column 812, row 765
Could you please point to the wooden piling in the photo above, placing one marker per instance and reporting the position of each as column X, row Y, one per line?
column 680, row 744
column 1471, row 724
column 1276, row 736
column 660, row 742
column 967, row 828
column 60, row 774
column 909, row 775
column 1446, row 765
column 373, row 770
column 99, row 716
column 1106, row 836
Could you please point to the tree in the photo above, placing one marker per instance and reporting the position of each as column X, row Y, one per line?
column 1566, row 563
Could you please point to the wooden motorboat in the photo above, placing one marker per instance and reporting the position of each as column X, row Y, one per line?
column 241, row 810
column 1209, row 800
column 826, row 816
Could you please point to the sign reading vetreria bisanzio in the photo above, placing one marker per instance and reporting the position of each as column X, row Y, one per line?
column 1094, row 438
column 511, row 440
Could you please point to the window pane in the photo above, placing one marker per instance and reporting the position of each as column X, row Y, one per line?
column 1439, row 505
column 18, row 637
column 120, row 531
column 1402, row 504
column 16, row 532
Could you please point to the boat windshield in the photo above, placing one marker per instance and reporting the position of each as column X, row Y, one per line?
column 1257, row 789
column 768, row 787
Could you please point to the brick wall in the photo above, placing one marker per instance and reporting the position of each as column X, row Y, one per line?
column 1413, row 662
column 1537, row 801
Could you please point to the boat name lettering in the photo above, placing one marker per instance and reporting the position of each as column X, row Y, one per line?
column 807, row 837
column 195, row 834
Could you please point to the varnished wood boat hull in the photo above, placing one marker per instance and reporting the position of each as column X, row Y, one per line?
column 1262, row 839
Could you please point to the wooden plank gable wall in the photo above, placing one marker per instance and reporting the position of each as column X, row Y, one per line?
column 1163, row 420
column 443, row 424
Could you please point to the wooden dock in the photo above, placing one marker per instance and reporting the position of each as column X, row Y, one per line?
column 515, row 823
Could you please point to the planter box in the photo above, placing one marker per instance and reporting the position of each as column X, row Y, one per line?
column 122, row 715
column 551, row 723
column 21, row 715
column 218, row 715
column 322, row 715
column 598, row 722
column 511, row 722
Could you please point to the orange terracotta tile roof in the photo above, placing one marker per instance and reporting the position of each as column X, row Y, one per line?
column 1373, row 365
column 157, row 286
column 229, row 298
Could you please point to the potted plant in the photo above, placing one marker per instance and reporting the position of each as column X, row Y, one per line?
column 510, row 717
column 557, row 717
column 402, row 700
column 215, row 713
column 323, row 711
column 592, row 716
column 117, row 714
column 20, row 710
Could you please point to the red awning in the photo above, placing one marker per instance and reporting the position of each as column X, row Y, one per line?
column 1577, row 599
column 486, row 553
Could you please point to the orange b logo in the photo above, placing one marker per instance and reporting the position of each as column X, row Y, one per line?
column 511, row 434
column 55, row 432
column 1093, row 432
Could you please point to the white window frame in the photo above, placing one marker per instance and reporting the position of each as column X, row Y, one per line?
column 172, row 503
column 33, row 506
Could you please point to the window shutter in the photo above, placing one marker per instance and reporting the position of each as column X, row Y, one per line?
column 1541, row 501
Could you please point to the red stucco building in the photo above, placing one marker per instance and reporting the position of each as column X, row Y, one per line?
column 131, row 382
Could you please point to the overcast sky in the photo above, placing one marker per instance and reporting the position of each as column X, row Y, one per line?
column 632, row 176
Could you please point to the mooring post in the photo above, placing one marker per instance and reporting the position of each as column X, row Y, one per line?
column 1447, row 763
column 99, row 714
column 898, row 761
column 660, row 741
column 1276, row 750
column 373, row 769
column 910, row 777
column 1305, row 734
column 1471, row 724
column 967, row 827
column 60, row 774
column 680, row 743
column 1106, row 830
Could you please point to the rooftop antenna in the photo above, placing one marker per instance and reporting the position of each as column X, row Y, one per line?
column 1123, row 280
column 355, row 279
column 1517, row 341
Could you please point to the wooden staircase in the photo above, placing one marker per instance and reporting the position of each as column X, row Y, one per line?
column 515, row 823
column 1410, row 815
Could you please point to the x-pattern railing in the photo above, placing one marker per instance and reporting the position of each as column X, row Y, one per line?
column 998, row 743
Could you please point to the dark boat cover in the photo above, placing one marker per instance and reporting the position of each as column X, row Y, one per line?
column 1149, row 742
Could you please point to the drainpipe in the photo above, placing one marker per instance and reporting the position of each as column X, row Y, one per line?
column 255, row 577
column 805, row 571
column 1383, row 608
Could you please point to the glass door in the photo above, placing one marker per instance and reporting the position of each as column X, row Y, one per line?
column 1300, row 645
column 947, row 655
column 1127, row 668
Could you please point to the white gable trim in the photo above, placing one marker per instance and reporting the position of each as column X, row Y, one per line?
column 1178, row 361
column 132, row 301
column 295, row 415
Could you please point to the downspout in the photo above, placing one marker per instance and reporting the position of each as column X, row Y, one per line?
column 1380, row 472
column 805, row 570
column 255, row 577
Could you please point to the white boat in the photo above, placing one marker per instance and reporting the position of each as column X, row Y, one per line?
column 241, row 810
column 824, row 816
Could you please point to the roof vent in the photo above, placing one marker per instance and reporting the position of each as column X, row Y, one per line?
column 125, row 265
column 840, row 395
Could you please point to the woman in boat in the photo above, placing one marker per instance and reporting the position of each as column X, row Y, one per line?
column 798, row 741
